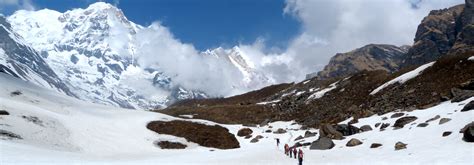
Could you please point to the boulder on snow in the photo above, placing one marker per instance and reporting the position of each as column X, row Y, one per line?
column 422, row 125
column 327, row 130
column 403, row 121
column 469, row 106
column 353, row 142
column 171, row 145
column 323, row 143
column 375, row 145
column 377, row 125
column 244, row 132
column 468, row 132
column 280, row 131
column 366, row 128
column 447, row 133
column 383, row 126
column 433, row 119
column 268, row 131
column 308, row 134
column 4, row 112
column 384, row 118
column 400, row 146
column 346, row 129
column 265, row 122
column 248, row 136
column 256, row 139
column 397, row 115
column 444, row 120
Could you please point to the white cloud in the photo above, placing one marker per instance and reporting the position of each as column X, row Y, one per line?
column 18, row 4
column 157, row 48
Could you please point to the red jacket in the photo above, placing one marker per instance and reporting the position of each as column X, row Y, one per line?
column 300, row 154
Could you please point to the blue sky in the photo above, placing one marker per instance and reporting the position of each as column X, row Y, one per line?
column 204, row 23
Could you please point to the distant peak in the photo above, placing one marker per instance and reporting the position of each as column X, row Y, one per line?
column 101, row 6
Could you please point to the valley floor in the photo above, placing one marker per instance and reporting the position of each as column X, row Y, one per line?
column 56, row 129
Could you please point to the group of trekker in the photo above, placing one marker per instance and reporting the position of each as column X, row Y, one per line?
column 292, row 152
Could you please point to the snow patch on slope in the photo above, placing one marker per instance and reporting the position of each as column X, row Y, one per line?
column 404, row 77
column 320, row 93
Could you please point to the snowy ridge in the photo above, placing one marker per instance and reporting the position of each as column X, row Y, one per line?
column 93, row 51
column 320, row 93
column 404, row 77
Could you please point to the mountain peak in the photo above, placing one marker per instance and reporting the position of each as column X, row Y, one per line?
column 101, row 6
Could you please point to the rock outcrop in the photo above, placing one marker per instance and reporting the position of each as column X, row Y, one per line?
column 323, row 143
column 205, row 135
column 370, row 57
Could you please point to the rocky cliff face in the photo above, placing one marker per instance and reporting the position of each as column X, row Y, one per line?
column 370, row 57
column 436, row 35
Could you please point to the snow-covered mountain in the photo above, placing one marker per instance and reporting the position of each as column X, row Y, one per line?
column 19, row 60
column 93, row 51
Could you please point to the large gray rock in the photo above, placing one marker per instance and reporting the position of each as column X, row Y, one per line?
column 353, row 142
column 323, row 143
column 403, row 121
column 461, row 95
column 347, row 129
column 308, row 134
column 366, row 128
column 400, row 146
column 329, row 131
column 444, row 120
column 468, row 132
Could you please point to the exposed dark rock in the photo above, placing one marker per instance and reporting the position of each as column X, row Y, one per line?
column 4, row 112
column 15, row 93
column 265, row 122
column 433, row 119
column 9, row 135
column 447, row 133
column 403, row 121
column 377, row 125
column 469, row 106
column 366, row 128
column 347, row 130
column 383, row 126
column 468, row 132
column 256, row 139
column 461, row 95
column 248, row 136
column 384, row 118
column 308, row 134
column 34, row 120
column 375, row 145
column 280, row 131
column 323, row 143
column 329, row 131
column 444, row 120
column 268, row 131
column 205, row 135
column 422, row 125
column 244, row 132
column 299, row 138
column 400, row 146
column 171, row 145
column 353, row 142
column 397, row 115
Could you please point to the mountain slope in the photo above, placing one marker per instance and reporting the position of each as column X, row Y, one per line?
column 19, row 60
column 370, row 57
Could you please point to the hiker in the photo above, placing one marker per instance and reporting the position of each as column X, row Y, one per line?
column 294, row 152
column 278, row 142
column 286, row 149
column 291, row 153
column 300, row 157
